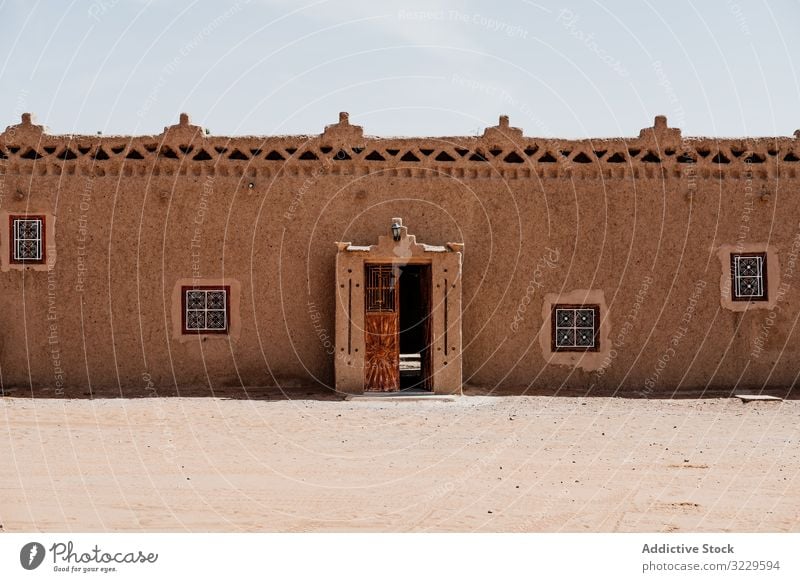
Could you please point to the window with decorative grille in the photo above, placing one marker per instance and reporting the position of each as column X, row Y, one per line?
column 380, row 288
column 575, row 328
column 206, row 309
column 27, row 239
column 749, row 276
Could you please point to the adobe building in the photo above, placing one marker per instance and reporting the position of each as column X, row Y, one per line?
column 652, row 265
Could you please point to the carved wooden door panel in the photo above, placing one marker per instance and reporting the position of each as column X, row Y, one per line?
column 382, row 327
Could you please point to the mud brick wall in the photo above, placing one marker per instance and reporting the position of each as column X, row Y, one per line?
column 640, row 221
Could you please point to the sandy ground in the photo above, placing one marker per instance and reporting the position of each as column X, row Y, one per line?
column 478, row 464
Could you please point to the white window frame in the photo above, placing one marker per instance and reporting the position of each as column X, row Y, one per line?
column 761, row 291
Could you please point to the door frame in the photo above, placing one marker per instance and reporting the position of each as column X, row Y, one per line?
column 445, row 310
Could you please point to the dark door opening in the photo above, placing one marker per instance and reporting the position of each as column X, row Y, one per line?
column 415, row 327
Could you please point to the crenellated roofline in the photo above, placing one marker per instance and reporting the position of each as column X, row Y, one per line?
column 502, row 151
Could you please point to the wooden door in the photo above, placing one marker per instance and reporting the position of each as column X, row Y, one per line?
column 382, row 327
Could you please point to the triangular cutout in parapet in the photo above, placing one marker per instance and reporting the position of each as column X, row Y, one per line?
column 31, row 154
column 616, row 158
column 167, row 152
column 754, row 159
column 409, row 157
column 374, row 156
column 67, row 154
column 790, row 157
column 651, row 158
column 274, row 156
column 720, row 159
column 582, row 158
column 478, row 157
column 513, row 158
column 547, row 158
column 202, row 156
column 237, row 155
column 101, row 154
column 308, row 155
column 444, row 157
column 342, row 155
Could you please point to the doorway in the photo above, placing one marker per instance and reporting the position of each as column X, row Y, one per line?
column 398, row 284
column 398, row 327
column 415, row 341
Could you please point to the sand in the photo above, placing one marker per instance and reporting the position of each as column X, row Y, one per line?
column 481, row 463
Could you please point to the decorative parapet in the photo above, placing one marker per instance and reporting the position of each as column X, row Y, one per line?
column 183, row 132
column 660, row 136
column 343, row 133
column 26, row 132
column 502, row 133
column 501, row 152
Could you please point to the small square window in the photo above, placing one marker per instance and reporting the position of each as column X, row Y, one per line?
column 206, row 309
column 27, row 239
column 749, row 276
column 575, row 328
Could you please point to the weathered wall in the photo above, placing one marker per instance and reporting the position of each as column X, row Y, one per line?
column 642, row 232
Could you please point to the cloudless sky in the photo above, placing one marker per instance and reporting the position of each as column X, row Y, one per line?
column 427, row 67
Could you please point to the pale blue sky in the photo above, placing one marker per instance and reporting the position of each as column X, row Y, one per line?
column 574, row 69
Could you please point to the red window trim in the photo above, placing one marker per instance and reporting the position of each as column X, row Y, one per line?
column 13, row 242
column 227, row 289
